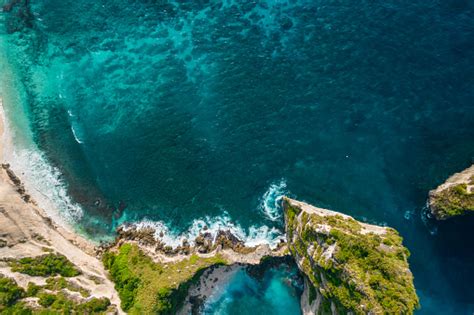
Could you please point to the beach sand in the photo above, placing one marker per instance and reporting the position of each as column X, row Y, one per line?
column 26, row 230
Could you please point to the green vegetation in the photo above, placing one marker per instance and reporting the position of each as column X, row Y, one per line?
column 58, row 302
column 52, row 297
column 453, row 201
column 59, row 283
column 146, row 287
column 45, row 265
column 356, row 269
column 10, row 293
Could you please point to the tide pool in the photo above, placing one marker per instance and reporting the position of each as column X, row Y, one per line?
column 184, row 114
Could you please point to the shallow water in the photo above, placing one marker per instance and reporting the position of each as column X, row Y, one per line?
column 174, row 111
column 275, row 292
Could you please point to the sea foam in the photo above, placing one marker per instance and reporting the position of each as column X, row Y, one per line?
column 270, row 207
column 253, row 236
column 270, row 204
column 44, row 183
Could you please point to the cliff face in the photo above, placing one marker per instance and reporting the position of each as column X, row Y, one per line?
column 454, row 197
column 351, row 267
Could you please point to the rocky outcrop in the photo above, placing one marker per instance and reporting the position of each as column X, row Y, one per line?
column 171, row 278
column 154, row 278
column 205, row 243
column 454, row 197
column 350, row 267
column 20, row 188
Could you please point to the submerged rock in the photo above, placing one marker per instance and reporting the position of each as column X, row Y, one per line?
column 350, row 266
column 454, row 197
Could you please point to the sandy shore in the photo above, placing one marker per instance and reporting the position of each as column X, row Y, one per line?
column 26, row 230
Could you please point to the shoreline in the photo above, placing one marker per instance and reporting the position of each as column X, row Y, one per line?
column 61, row 226
column 32, row 231
column 27, row 230
column 55, row 203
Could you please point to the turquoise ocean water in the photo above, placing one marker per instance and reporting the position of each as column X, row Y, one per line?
column 181, row 114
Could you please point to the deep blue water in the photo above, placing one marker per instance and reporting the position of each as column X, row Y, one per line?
column 173, row 111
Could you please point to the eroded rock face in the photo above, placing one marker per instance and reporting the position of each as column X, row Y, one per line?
column 351, row 267
column 454, row 197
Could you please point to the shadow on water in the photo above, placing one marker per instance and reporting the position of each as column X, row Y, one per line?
column 453, row 244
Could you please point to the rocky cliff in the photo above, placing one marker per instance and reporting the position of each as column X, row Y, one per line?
column 153, row 278
column 351, row 267
column 454, row 197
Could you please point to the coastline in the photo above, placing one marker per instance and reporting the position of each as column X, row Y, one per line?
column 61, row 226
column 27, row 230
column 32, row 231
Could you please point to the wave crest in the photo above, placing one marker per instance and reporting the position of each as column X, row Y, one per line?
column 255, row 235
column 270, row 203
column 44, row 183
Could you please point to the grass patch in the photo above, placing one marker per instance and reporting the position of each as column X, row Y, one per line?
column 45, row 266
column 146, row 287
column 453, row 201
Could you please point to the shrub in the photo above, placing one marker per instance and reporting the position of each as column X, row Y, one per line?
column 11, row 295
column 94, row 306
column 453, row 201
column 32, row 289
column 45, row 265
column 10, row 292
column 46, row 299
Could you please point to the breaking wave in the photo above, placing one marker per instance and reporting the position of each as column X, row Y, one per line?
column 253, row 236
column 44, row 183
column 270, row 203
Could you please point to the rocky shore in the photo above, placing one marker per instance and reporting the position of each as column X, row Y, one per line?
column 181, row 278
column 151, row 277
column 454, row 197
column 205, row 244
column 348, row 266
column 144, row 275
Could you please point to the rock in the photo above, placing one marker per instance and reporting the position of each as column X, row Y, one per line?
column 185, row 247
column 144, row 236
column 350, row 266
column 204, row 243
column 15, row 179
column 454, row 197
column 159, row 246
column 228, row 240
column 168, row 250
column 20, row 188
column 199, row 240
